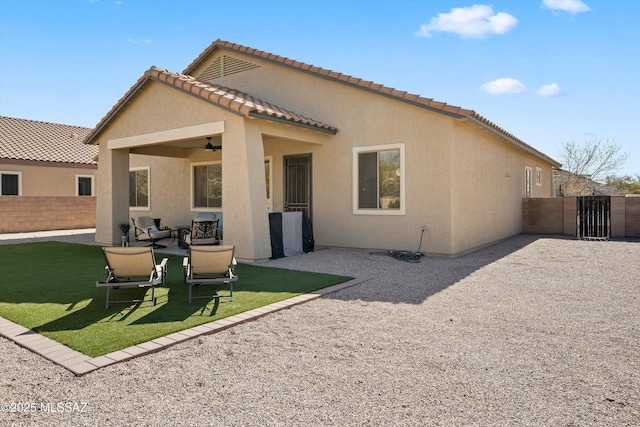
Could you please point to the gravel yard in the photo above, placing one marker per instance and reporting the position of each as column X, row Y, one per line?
column 533, row 331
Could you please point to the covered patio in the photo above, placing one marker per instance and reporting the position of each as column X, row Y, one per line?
column 161, row 126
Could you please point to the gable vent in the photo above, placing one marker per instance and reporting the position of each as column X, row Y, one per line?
column 226, row 66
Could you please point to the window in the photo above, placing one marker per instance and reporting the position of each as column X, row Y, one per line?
column 11, row 183
column 84, row 185
column 527, row 182
column 538, row 176
column 207, row 186
column 139, row 188
column 379, row 180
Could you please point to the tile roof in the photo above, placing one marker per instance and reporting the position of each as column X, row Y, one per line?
column 328, row 74
column 230, row 99
column 404, row 96
column 234, row 100
column 22, row 139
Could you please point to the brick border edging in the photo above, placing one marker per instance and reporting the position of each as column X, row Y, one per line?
column 80, row 364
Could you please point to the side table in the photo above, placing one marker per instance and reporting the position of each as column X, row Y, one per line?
column 181, row 231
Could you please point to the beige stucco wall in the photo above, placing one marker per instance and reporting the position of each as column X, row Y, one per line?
column 154, row 109
column 463, row 202
column 462, row 182
column 488, row 186
column 49, row 179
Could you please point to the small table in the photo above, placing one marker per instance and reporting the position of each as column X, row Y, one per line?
column 181, row 231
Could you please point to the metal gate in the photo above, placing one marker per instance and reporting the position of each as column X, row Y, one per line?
column 297, row 184
column 594, row 217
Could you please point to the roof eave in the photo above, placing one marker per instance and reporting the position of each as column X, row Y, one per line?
column 264, row 116
column 525, row 147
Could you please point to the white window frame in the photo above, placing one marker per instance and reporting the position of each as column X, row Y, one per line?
column 528, row 178
column 19, row 174
column 191, row 188
column 78, row 176
column 355, row 179
column 538, row 176
column 148, row 207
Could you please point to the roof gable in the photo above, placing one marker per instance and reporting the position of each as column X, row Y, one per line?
column 22, row 139
column 230, row 99
column 402, row 96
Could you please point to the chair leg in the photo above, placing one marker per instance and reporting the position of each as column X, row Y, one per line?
column 107, row 305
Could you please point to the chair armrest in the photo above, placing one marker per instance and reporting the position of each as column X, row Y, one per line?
column 161, row 269
column 232, row 267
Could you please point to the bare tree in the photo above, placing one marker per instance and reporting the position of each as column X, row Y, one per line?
column 588, row 163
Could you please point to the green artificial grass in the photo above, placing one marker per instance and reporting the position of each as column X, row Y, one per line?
column 50, row 287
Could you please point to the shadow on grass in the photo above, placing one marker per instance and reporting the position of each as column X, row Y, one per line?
column 50, row 287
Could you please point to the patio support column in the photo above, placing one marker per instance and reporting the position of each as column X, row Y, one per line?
column 244, row 195
column 112, row 207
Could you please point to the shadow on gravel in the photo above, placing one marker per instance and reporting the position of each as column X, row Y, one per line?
column 411, row 283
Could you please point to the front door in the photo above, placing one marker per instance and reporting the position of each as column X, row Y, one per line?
column 297, row 184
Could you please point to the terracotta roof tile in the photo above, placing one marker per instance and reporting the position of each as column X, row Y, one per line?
column 228, row 98
column 417, row 100
column 365, row 84
column 22, row 139
column 401, row 95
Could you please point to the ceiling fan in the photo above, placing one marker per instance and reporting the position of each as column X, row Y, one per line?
column 211, row 147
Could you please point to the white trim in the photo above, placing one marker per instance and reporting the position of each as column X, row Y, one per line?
column 78, row 176
column 148, row 207
column 355, row 193
column 177, row 134
column 538, row 176
column 19, row 173
column 528, row 180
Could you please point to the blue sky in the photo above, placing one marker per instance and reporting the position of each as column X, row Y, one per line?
column 548, row 71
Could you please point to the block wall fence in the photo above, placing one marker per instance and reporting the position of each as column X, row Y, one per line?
column 558, row 216
column 539, row 216
column 20, row 214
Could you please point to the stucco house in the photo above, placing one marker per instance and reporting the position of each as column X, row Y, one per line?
column 370, row 165
column 48, row 176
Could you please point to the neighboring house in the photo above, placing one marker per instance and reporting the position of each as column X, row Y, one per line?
column 568, row 184
column 48, row 176
column 370, row 165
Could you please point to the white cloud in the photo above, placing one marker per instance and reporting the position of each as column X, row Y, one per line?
column 469, row 22
column 139, row 41
column 503, row 85
column 549, row 90
column 571, row 6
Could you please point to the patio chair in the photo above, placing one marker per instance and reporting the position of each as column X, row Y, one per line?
column 145, row 229
column 210, row 265
column 204, row 231
column 132, row 267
